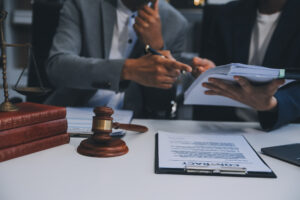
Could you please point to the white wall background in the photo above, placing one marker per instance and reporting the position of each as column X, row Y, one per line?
column 11, row 36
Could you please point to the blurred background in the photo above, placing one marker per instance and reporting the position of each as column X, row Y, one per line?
column 23, row 25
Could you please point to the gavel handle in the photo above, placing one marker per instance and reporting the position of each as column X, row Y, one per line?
column 130, row 127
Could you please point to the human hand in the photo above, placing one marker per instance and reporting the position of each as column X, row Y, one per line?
column 148, row 26
column 200, row 65
column 154, row 70
column 261, row 98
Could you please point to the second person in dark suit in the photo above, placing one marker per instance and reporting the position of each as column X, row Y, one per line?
column 257, row 32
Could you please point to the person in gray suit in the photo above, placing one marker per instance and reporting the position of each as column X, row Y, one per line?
column 98, row 52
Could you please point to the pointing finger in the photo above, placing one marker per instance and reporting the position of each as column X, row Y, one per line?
column 164, row 86
column 171, row 64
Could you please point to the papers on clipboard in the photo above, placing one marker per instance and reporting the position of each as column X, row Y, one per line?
column 208, row 154
column 80, row 120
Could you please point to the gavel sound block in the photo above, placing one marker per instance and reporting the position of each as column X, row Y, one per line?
column 101, row 144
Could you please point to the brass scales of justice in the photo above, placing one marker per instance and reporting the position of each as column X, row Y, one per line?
column 7, row 106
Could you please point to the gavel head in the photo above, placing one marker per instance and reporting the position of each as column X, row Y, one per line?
column 101, row 144
column 102, row 121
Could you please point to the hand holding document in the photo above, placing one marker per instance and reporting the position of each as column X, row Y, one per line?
column 226, row 75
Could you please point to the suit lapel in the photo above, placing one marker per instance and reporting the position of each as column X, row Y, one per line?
column 284, row 32
column 242, row 30
column 109, row 10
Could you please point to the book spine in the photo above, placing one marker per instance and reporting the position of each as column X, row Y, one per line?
column 25, row 134
column 32, row 118
column 35, row 146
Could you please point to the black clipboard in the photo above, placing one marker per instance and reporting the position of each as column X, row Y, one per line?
column 183, row 171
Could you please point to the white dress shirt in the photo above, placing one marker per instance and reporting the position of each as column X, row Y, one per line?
column 123, row 41
column 262, row 33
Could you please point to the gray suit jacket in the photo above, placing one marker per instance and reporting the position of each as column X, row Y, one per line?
column 78, row 63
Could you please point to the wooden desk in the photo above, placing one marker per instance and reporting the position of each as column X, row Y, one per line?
column 62, row 174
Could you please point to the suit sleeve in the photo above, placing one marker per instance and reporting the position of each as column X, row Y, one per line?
column 288, row 109
column 177, row 45
column 67, row 68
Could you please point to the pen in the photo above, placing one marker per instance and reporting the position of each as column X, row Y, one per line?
column 149, row 49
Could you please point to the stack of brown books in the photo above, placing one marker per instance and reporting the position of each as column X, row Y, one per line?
column 34, row 127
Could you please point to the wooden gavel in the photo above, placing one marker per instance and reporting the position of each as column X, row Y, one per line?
column 101, row 144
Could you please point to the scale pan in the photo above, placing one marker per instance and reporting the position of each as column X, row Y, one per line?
column 32, row 91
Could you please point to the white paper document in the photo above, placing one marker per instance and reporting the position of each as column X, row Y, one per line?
column 80, row 120
column 179, row 150
column 195, row 93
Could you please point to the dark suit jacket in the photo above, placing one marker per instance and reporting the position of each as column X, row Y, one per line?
column 78, row 64
column 229, row 41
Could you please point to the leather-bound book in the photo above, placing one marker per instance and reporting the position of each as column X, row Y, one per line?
column 25, row 134
column 35, row 146
column 30, row 113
